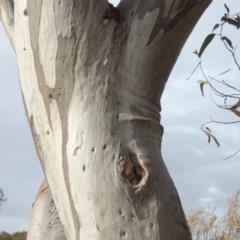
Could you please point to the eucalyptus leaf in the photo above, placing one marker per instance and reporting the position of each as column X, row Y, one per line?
column 215, row 27
column 227, row 8
column 223, row 72
column 229, row 42
column 202, row 83
column 206, row 42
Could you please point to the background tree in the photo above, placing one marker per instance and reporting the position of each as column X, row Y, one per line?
column 2, row 198
column 15, row 236
column 206, row 225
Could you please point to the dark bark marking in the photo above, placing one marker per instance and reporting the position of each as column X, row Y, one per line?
column 167, row 18
column 34, row 23
column 132, row 172
column 130, row 168
column 25, row 12
column 115, row 14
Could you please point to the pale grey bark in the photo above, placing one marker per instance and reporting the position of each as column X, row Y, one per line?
column 45, row 223
column 7, row 18
column 92, row 76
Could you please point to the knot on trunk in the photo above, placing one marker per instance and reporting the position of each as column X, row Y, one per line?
column 112, row 13
column 132, row 170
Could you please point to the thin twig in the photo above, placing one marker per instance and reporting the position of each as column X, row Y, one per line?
column 224, row 83
column 214, row 121
column 232, row 155
column 194, row 70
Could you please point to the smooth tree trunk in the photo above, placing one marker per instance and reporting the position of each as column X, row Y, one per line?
column 92, row 76
column 45, row 222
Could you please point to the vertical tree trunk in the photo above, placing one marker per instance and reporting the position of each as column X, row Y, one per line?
column 92, row 76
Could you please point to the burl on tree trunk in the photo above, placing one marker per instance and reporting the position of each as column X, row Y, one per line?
column 91, row 77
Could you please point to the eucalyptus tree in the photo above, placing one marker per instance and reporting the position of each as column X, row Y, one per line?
column 92, row 76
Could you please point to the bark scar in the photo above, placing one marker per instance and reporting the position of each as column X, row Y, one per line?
column 132, row 171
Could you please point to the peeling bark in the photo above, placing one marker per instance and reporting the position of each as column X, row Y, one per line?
column 92, row 76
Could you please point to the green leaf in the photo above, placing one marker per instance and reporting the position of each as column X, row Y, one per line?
column 202, row 82
column 215, row 27
column 206, row 42
column 201, row 88
column 208, row 129
column 223, row 72
column 237, row 19
column 227, row 8
column 230, row 21
column 229, row 42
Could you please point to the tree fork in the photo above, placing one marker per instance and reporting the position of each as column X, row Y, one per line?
column 92, row 76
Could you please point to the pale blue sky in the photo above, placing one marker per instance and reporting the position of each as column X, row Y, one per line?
column 197, row 168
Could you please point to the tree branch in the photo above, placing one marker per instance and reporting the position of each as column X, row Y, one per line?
column 169, row 15
column 7, row 18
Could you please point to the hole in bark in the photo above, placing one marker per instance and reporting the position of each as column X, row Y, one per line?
column 93, row 149
column 50, row 95
column 104, row 147
column 151, row 225
column 84, row 168
column 120, row 212
column 25, row 13
column 76, row 151
column 132, row 172
column 122, row 233
column 47, row 132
